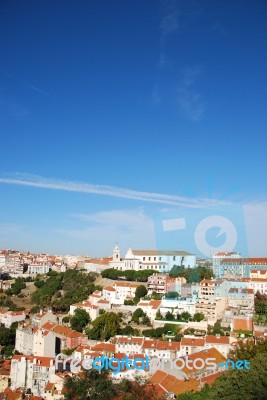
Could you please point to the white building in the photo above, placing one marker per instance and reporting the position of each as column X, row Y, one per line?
column 120, row 292
column 31, row 373
column 44, row 343
column 38, row 269
column 91, row 309
column 157, row 260
column 7, row 318
column 177, row 306
column 258, row 285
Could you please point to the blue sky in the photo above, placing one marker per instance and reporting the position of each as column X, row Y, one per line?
column 104, row 102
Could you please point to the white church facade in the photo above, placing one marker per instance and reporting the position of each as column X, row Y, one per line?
column 160, row 261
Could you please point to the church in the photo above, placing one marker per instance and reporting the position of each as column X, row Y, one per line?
column 160, row 261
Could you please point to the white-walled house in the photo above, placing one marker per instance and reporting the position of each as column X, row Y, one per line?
column 7, row 318
column 91, row 309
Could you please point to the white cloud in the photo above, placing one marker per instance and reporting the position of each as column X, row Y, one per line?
column 128, row 227
column 256, row 222
column 189, row 100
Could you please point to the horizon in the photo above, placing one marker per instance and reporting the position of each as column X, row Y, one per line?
column 142, row 124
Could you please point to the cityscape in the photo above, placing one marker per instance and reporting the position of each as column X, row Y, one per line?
column 148, row 305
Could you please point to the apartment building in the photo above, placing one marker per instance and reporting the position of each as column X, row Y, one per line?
column 240, row 267
column 212, row 309
column 31, row 373
column 162, row 283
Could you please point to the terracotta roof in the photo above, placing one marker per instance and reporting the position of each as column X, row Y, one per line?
column 40, row 361
column 129, row 340
column 109, row 347
column 109, row 288
column 192, row 342
column 261, row 280
column 150, row 344
column 127, row 284
column 242, row 324
column 170, row 383
column 217, row 340
column 248, row 261
column 62, row 330
column 49, row 386
column 203, row 355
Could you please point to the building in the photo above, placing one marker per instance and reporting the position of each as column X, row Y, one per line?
column 7, row 318
column 13, row 264
column 31, row 373
column 34, row 269
column 120, row 292
column 177, row 306
column 239, row 267
column 66, row 338
column 197, row 372
column 91, row 309
column 158, row 260
column 150, row 307
column 241, row 300
column 217, row 259
column 162, row 283
column 212, row 309
column 258, row 274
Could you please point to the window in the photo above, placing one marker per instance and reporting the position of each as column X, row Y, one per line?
column 155, row 258
column 159, row 258
column 144, row 258
column 173, row 258
column 149, row 258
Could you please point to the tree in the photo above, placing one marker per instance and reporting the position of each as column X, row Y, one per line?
column 185, row 316
column 104, row 327
column 261, row 307
column 169, row 316
column 141, row 291
column 138, row 313
column 172, row 295
column 79, row 320
column 158, row 315
column 198, row 317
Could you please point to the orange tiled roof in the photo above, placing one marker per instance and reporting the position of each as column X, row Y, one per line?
column 203, row 355
column 217, row 339
column 243, row 324
column 192, row 342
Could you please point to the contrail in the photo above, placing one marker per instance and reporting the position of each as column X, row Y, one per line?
column 81, row 187
column 36, row 89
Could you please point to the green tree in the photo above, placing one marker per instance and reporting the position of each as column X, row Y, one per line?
column 137, row 314
column 141, row 291
column 104, row 327
column 171, row 295
column 159, row 315
column 169, row 316
column 198, row 317
column 185, row 316
column 79, row 320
